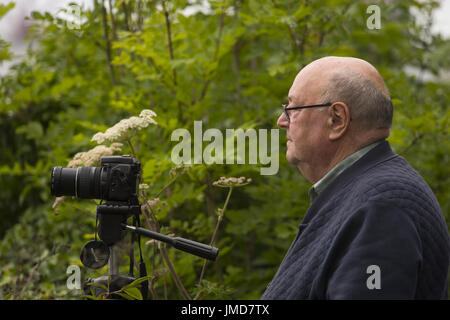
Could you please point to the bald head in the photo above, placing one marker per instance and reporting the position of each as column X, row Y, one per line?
column 329, row 66
column 352, row 81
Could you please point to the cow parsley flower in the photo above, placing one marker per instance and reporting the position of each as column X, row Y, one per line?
column 232, row 182
column 126, row 128
column 92, row 157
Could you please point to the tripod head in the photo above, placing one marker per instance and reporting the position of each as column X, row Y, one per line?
column 112, row 217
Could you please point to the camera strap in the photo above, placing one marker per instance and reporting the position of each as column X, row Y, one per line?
column 131, row 272
column 142, row 267
column 96, row 221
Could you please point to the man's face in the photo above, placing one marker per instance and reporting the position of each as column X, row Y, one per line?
column 306, row 130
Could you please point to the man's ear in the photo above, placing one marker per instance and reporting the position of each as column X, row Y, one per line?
column 338, row 120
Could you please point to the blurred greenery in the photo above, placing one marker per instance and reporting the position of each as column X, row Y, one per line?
column 229, row 66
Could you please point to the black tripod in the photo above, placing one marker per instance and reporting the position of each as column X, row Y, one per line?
column 112, row 217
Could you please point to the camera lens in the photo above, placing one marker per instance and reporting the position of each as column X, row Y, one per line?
column 83, row 182
column 63, row 181
column 88, row 183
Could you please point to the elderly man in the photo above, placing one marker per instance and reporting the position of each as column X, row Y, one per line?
column 374, row 229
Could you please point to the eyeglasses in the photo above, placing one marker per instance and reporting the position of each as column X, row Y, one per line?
column 286, row 109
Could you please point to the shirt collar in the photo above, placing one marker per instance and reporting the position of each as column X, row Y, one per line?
column 320, row 185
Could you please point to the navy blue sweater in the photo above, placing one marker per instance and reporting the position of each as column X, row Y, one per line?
column 376, row 232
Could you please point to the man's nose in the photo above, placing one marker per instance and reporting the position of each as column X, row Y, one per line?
column 282, row 121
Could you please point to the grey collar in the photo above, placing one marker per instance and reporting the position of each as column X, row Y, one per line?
column 320, row 185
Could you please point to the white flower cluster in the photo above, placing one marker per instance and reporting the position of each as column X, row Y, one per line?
column 232, row 182
column 126, row 128
column 92, row 157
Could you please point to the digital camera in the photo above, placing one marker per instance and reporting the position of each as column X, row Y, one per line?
column 116, row 180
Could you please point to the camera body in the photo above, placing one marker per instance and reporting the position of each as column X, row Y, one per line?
column 122, row 175
column 116, row 180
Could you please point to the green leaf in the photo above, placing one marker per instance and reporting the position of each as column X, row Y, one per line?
column 4, row 9
column 135, row 293
column 136, row 282
column 37, row 15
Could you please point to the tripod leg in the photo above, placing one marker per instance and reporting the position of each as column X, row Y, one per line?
column 113, row 261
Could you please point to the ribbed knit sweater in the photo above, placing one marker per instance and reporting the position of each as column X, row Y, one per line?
column 376, row 232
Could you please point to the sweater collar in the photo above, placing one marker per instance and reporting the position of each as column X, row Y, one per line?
column 378, row 154
column 322, row 184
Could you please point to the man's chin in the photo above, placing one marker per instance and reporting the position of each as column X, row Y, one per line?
column 291, row 159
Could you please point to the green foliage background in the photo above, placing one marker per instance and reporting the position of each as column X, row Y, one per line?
column 231, row 67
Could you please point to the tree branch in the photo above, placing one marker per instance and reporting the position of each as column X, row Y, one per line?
column 169, row 40
column 214, row 235
column 108, row 48
column 113, row 20
column 125, row 12
column 140, row 19
column 216, row 53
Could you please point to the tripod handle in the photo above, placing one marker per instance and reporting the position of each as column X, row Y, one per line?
column 189, row 246
column 196, row 248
